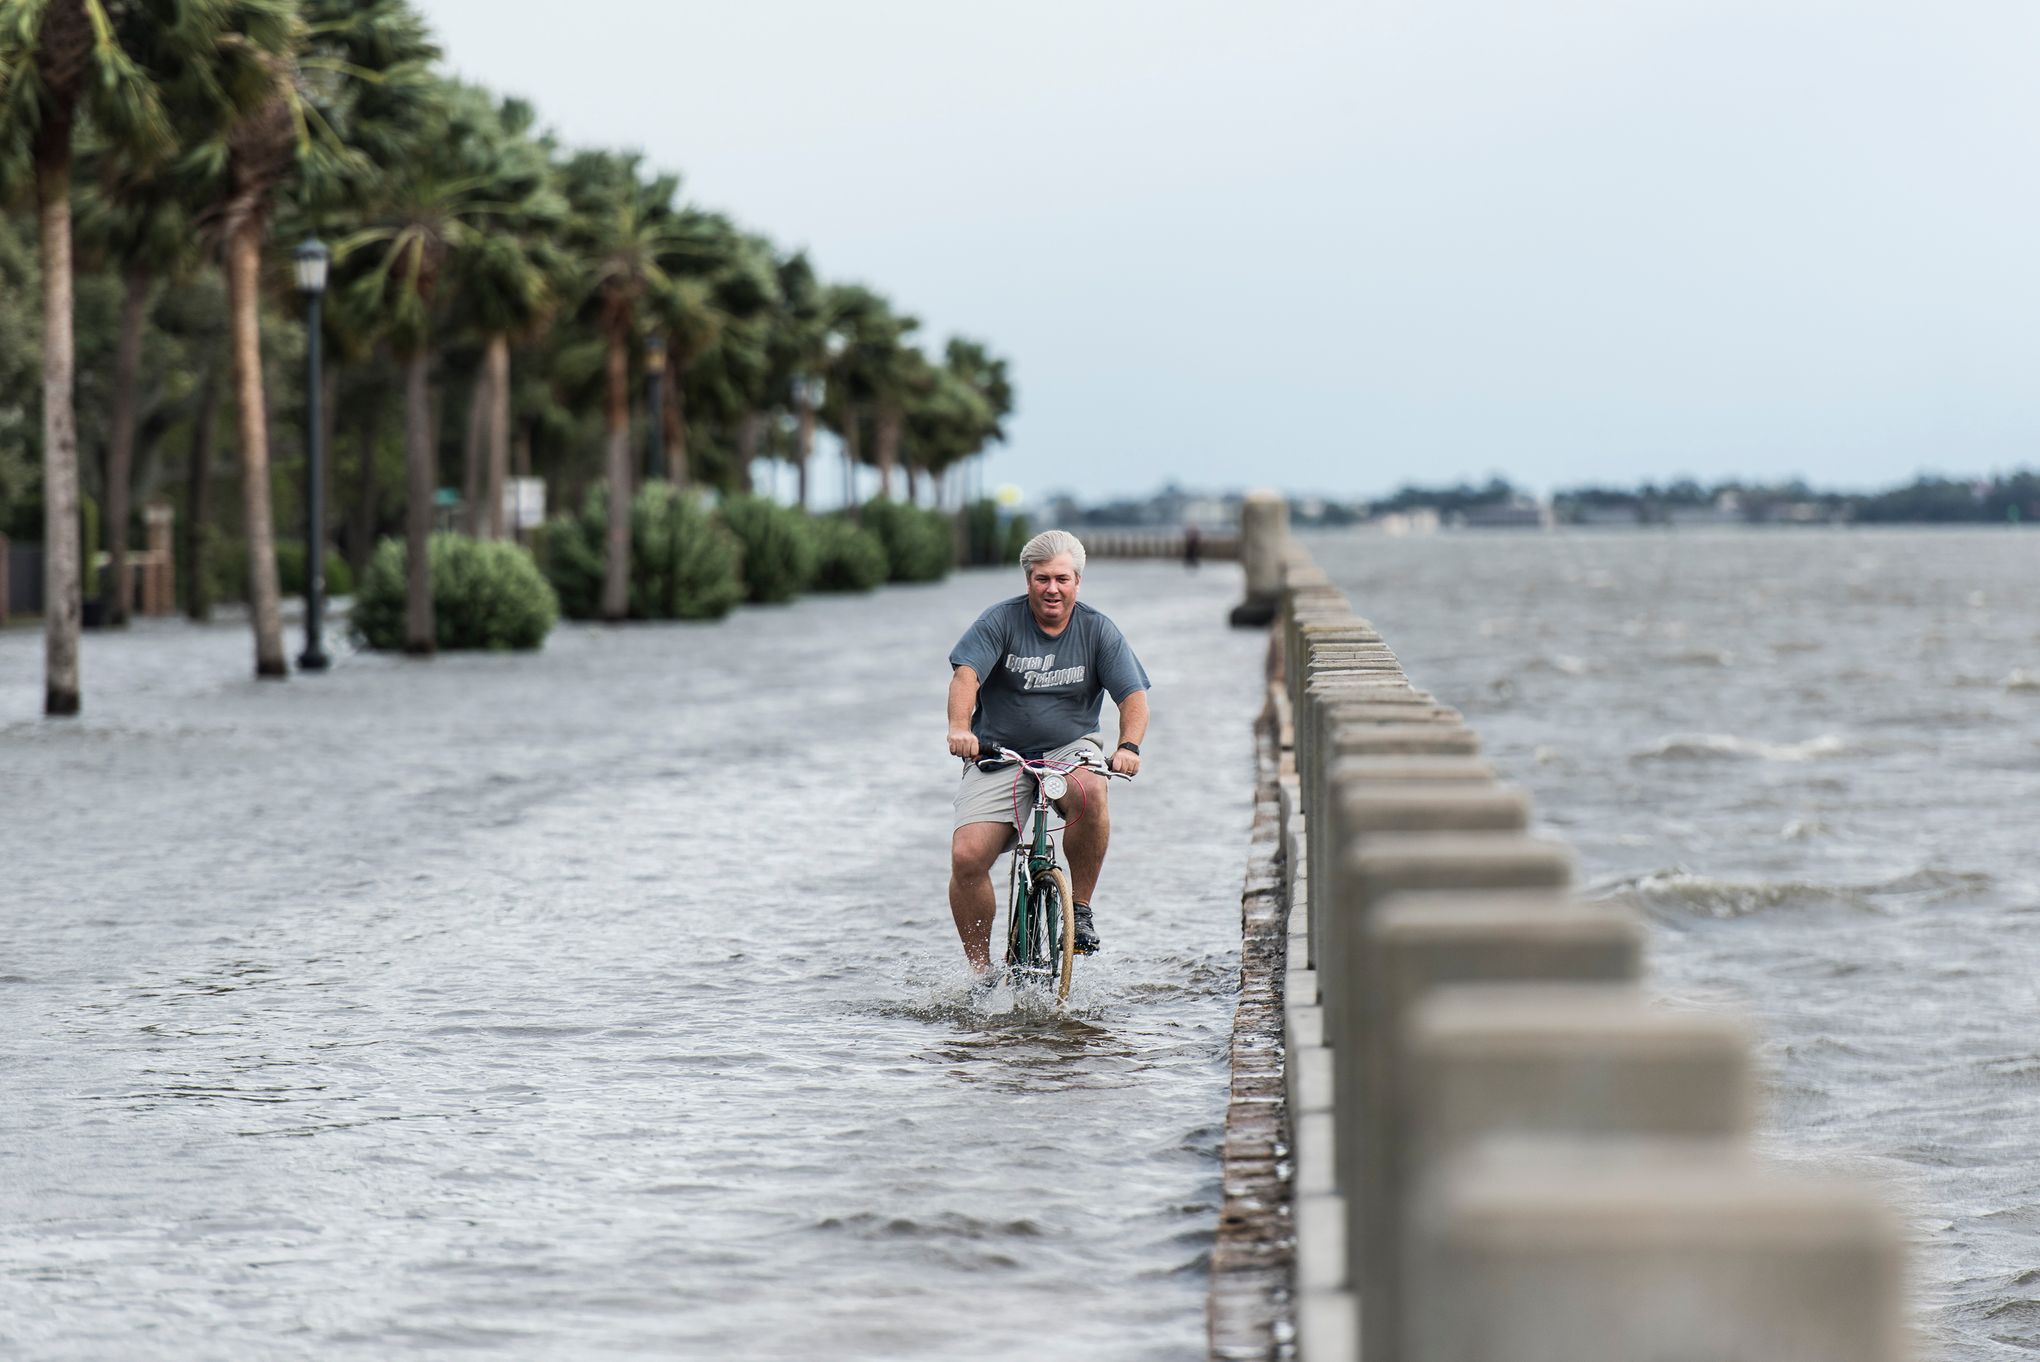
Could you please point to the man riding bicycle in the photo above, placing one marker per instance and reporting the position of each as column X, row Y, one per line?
column 1029, row 675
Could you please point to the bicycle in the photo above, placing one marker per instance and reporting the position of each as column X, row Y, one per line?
column 1041, row 916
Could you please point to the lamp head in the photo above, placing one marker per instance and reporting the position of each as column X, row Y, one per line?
column 312, row 258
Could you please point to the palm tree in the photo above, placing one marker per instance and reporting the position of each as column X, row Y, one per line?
column 798, row 352
column 988, row 376
column 626, row 230
column 713, row 316
column 295, row 90
column 868, row 378
column 132, row 217
column 430, row 218
column 949, row 420
column 687, row 318
column 508, row 283
column 60, row 59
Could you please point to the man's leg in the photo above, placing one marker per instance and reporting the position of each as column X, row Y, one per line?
column 973, row 850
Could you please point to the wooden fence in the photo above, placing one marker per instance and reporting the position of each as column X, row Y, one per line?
column 151, row 571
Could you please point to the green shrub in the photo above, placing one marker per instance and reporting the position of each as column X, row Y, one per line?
column 290, row 571
column 485, row 594
column 228, row 564
column 919, row 545
column 683, row 563
column 850, row 559
column 780, row 547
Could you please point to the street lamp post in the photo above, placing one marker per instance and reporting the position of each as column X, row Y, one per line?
column 311, row 280
column 655, row 398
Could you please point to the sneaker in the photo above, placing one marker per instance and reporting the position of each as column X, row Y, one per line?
column 1087, row 935
column 983, row 984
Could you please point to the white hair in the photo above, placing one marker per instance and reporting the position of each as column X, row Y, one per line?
column 1052, row 544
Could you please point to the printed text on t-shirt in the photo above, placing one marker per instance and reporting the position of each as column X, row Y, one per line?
column 1040, row 672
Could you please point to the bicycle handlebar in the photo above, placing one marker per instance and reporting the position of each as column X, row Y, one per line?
column 1006, row 756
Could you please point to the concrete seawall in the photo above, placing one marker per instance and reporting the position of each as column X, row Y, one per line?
column 1489, row 1143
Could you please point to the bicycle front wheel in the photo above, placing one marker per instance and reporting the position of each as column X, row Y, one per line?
column 1059, row 918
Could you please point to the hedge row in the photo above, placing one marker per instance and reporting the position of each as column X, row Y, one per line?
column 688, row 562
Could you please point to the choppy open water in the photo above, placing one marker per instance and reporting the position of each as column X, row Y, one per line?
column 1813, row 758
column 598, row 1003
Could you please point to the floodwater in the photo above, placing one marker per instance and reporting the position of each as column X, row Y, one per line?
column 602, row 1002
column 1813, row 759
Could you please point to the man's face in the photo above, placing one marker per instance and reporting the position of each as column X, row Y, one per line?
column 1052, row 590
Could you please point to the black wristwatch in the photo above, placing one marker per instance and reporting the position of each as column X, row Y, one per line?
column 1132, row 747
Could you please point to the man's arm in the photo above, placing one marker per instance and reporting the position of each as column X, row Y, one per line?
column 963, row 689
column 1133, row 721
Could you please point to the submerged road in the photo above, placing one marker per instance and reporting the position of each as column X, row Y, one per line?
column 602, row 1002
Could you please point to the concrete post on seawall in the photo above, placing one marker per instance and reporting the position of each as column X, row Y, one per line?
column 1598, row 1250
column 1264, row 535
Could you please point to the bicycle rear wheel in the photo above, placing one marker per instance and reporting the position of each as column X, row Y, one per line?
column 1059, row 923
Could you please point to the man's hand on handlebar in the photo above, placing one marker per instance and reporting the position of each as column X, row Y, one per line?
column 1125, row 763
column 963, row 743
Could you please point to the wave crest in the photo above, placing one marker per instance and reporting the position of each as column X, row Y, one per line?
column 1729, row 747
column 1681, row 891
column 1677, row 890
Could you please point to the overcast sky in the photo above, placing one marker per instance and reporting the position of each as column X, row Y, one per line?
column 1336, row 247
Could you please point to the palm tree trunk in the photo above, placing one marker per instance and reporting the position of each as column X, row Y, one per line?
column 367, row 497
column 888, row 448
column 676, row 432
column 244, row 265
column 750, row 426
column 804, row 437
column 851, row 425
column 420, row 639
column 913, row 484
column 62, row 601
column 120, row 453
column 616, row 565
column 198, row 510
column 471, row 456
column 496, row 363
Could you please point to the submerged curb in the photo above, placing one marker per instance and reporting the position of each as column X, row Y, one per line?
column 1248, row 1314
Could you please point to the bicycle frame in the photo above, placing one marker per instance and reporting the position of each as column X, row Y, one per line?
column 1029, row 934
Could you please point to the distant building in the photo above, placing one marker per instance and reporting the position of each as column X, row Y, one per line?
column 1420, row 520
column 1517, row 513
column 1694, row 516
column 1605, row 513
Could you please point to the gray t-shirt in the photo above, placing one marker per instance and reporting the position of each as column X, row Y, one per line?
column 1037, row 693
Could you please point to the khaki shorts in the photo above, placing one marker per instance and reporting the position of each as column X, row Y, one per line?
column 987, row 796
